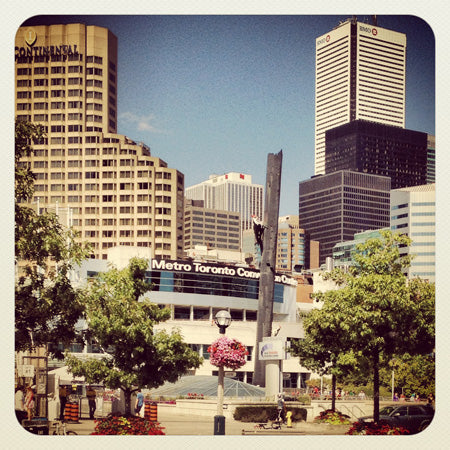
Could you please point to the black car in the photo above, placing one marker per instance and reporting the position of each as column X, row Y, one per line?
column 414, row 418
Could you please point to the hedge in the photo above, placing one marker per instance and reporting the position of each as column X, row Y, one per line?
column 265, row 413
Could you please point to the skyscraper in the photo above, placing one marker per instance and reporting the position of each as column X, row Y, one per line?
column 232, row 192
column 335, row 206
column 413, row 212
column 118, row 194
column 360, row 74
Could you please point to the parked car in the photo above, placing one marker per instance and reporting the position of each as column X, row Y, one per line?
column 414, row 418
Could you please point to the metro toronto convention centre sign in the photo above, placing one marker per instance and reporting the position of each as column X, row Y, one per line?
column 214, row 269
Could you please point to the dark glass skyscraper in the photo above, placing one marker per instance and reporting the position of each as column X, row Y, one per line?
column 378, row 149
column 335, row 206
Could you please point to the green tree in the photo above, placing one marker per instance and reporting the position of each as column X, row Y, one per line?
column 46, row 305
column 412, row 374
column 376, row 312
column 136, row 355
column 323, row 359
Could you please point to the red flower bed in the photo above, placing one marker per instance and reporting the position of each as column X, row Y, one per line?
column 372, row 428
column 120, row 425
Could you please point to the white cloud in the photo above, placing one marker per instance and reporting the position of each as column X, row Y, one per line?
column 143, row 123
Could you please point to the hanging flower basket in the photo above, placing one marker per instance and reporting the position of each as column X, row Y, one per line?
column 227, row 352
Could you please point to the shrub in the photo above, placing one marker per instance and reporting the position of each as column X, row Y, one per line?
column 332, row 417
column 120, row 425
column 266, row 413
column 304, row 399
column 372, row 428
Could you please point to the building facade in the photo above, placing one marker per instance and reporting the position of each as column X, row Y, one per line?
column 195, row 291
column 431, row 161
column 116, row 191
column 333, row 207
column 413, row 212
column 360, row 74
column 379, row 149
column 343, row 251
column 295, row 251
column 210, row 227
column 232, row 192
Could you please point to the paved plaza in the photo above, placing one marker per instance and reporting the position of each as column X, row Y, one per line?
column 176, row 424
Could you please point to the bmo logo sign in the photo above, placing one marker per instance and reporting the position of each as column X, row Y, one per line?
column 323, row 40
column 369, row 30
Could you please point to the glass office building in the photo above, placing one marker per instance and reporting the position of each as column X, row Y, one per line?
column 378, row 149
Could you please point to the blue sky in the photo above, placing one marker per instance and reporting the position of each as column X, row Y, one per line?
column 213, row 94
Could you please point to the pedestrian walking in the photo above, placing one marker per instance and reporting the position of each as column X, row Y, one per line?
column 91, row 395
column 139, row 402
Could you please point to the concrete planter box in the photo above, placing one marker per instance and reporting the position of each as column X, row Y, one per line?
column 208, row 407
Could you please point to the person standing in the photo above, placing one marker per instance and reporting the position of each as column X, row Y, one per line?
column 139, row 402
column 62, row 401
column 91, row 395
column 29, row 402
column 280, row 407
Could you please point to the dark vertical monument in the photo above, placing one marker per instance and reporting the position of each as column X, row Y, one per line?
column 268, row 260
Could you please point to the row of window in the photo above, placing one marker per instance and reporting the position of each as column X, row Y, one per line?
column 206, row 284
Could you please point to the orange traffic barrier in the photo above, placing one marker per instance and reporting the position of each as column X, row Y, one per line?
column 154, row 412
column 147, row 407
column 68, row 411
column 75, row 412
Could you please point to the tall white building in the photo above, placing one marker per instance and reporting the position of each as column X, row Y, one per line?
column 413, row 212
column 360, row 74
column 233, row 192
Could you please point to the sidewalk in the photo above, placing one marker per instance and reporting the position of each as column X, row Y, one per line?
column 189, row 425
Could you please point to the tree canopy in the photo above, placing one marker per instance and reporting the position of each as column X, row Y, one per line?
column 375, row 312
column 122, row 323
column 46, row 305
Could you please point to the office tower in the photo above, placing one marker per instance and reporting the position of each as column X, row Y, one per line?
column 413, row 212
column 360, row 74
column 232, row 192
column 295, row 251
column 116, row 191
column 335, row 206
column 378, row 149
column 210, row 227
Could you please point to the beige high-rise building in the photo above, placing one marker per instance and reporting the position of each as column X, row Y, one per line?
column 116, row 193
column 295, row 250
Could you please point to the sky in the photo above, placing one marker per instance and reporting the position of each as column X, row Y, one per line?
column 212, row 94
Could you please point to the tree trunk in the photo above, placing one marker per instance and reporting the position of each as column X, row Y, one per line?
column 376, row 386
column 127, row 396
column 333, row 392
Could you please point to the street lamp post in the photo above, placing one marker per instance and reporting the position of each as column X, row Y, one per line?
column 222, row 320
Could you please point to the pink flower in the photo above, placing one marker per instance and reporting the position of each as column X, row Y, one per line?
column 227, row 352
